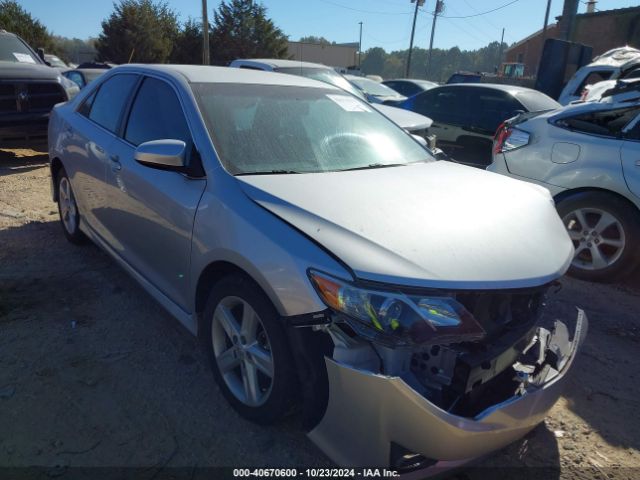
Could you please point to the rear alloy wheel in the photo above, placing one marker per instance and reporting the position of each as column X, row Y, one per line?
column 247, row 347
column 603, row 230
column 68, row 209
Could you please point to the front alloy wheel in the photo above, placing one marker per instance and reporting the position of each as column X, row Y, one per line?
column 242, row 351
column 246, row 342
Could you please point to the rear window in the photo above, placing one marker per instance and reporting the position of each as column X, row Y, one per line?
column 536, row 101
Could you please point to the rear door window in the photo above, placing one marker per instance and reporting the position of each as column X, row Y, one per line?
column 109, row 102
column 444, row 105
column 489, row 108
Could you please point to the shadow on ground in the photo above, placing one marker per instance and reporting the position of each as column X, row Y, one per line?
column 21, row 160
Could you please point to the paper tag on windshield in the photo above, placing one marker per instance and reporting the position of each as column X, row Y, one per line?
column 23, row 58
column 350, row 104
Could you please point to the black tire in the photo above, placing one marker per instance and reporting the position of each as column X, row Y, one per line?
column 623, row 259
column 71, row 227
column 283, row 394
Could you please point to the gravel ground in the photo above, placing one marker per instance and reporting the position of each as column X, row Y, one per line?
column 93, row 373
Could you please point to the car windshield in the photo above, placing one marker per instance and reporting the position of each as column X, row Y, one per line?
column 537, row 101
column 373, row 88
column 55, row 61
column 12, row 49
column 323, row 75
column 259, row 129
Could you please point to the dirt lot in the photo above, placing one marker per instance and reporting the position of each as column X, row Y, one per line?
column 94, row 373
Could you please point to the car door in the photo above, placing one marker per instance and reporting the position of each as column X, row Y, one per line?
column 441, row 105
column 630, row 155
column 487, row 108
column 89, row 136
column 151, row 211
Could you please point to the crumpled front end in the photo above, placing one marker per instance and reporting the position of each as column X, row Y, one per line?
column 410, row 421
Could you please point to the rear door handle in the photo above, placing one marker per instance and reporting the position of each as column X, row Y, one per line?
column 115, row 163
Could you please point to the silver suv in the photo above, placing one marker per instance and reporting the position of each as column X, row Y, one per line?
column 588, row 156
column 323, row 257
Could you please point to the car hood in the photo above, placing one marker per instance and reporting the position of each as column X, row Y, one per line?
column 406, row 119
column 433, row 224
column 27, row 71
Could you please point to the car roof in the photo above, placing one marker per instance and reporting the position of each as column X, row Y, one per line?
column 512, row 89
column 282, row 63
column 208, row 74
column 617, row 57
column 411, row 80
column 88, row 70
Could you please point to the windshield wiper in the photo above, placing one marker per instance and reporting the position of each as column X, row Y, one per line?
column 268, row 172
column 373, row 165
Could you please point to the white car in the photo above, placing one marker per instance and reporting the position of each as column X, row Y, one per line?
column 617, row 63
column 588, row 156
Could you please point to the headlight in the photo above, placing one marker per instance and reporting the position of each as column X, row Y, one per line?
column 397, row 319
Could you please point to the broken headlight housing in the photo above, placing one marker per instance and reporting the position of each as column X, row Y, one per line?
column 397, row 319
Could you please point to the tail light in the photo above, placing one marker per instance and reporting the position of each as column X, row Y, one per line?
column 508, row 138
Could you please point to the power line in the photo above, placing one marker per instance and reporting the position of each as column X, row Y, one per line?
column 335, row 4
column 476, row 14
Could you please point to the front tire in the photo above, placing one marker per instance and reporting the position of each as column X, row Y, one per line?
column 605, row 231
column 248, row 350
column 68, row 209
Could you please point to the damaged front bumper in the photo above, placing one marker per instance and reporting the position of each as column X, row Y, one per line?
column 370, row 414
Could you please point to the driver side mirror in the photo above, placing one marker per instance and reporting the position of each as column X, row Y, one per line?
column 162, row 154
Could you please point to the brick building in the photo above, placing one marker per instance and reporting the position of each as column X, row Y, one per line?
column 602, row 30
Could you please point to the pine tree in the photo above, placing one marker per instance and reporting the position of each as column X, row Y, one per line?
column 141, row 31
column 188, row 45
column 241, row 29
column 15, row 19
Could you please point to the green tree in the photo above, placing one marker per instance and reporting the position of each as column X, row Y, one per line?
column 373, row 61
column 316, row 40
column 141, row 30
column 241, row 29
column 188, row 45
column 15, row 19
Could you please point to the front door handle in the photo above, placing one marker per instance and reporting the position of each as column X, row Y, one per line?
column 637, row 163
column 115, row 163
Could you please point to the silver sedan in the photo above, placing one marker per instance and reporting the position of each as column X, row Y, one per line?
column 588, row 156
column 324, row 259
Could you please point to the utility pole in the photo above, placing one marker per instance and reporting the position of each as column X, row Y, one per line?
column 206, row 58
column 418, row 3
column 500, row 50
column 565, row 25
column 360, row 47
column 546, row 21
column 438, row 9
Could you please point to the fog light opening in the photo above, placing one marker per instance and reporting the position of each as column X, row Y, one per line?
column 403, row 460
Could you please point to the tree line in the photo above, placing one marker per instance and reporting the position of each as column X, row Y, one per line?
column 148, row 31
column 444, row 62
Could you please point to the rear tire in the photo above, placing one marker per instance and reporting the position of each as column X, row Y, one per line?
column 68, row 209
column 605, row 231
column 248, row 351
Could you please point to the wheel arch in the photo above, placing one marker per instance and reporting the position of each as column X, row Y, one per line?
column 212, row 274
column 55, row 167
column 576, row 191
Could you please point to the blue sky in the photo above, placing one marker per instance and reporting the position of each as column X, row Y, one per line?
column 386, row 23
